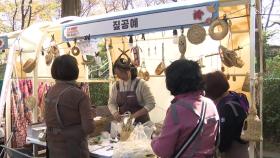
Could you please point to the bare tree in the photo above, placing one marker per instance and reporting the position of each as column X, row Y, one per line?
column 26, row 14
column 87, row 7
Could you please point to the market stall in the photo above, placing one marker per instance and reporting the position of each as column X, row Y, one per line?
column 188, row 30
column 237, row 37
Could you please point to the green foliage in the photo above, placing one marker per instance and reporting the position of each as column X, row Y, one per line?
column 271, row 109
column 273, row 67
column 271, row 93
column 99, row 93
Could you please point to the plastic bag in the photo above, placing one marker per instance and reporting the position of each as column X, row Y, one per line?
column 135, row 149
column 138, row 144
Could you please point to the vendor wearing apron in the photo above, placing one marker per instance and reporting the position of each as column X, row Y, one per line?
column 130, row 94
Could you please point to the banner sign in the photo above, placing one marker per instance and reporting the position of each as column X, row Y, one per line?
column 157, row 19
column 3, row 42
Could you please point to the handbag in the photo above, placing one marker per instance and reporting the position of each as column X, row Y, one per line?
column 194, row 133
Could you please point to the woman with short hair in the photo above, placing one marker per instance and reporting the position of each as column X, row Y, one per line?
column 232, row 115
column 129, row 93
column 184, row 81
column 68, row 113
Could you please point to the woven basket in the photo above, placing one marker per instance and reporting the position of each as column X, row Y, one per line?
column 218, row 35
column 230, row 58
column 53, row 50
column 196, row 34
column 124, row 135
column 29, row 65
column 75, row 50
column 160, row 68
column 49, row 58
column 252, row 128
column 101, row 125
column 143, row 72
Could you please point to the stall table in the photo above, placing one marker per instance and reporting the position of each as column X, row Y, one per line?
column 96, row 151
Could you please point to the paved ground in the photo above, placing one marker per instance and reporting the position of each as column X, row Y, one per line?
column 268, row 154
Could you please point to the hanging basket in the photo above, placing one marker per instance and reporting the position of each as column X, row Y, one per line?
column 54, row 51
column 75, row 50
column 143, row 73
column 160, row 68
column 252, row 128
column 196, row 34
column 49, row 58
column 29, row 65
column 218, row 35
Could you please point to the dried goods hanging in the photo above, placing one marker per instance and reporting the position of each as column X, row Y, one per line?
column 229, row 57
column 143, row 72
column 161, row 67
column 182, row 44
column 136, row 54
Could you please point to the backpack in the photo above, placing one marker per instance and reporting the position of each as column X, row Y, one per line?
column 240, row 99
column 239, row 105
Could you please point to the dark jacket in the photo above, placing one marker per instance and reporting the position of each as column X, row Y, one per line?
column 231, row 123
column 75, row 114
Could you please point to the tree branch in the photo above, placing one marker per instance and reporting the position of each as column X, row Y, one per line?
column 274, row 23
column 14, row 16
column 22, row 14
column 269, row 13
column 30, row 12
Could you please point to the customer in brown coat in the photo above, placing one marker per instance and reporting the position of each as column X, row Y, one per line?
column 68, row 114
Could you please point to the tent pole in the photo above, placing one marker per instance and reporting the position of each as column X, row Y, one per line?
column 35, row 77
column 252, row 64
column 6, row 80
column 259, row 26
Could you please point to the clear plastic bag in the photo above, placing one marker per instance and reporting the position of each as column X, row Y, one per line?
column 138, row 144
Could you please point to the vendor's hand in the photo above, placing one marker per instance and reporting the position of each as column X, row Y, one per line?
column 117, row 116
